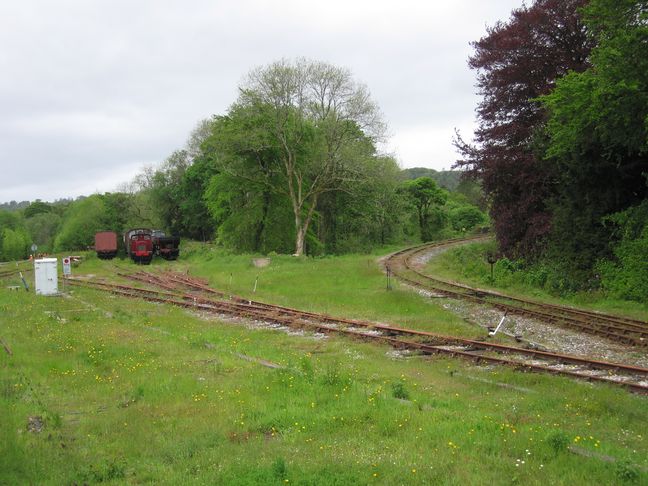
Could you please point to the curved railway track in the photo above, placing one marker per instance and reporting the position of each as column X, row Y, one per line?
column 621, row 329
column 193, row 293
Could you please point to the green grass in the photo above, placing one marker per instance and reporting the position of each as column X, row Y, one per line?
column 140, row 393
column 349, row 286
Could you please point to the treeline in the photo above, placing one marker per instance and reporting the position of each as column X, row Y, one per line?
column 63, row 225
column 170, row 198
column 292, row 167
column 562, row 143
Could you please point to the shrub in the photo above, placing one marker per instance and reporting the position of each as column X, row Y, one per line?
column 626, row 471
column 14, row 244
column 466, row 218
column 399, row 391
column 558, row 441
column 82, row 220
column 627, row 275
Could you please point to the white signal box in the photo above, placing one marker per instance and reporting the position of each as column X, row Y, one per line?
column 46, row 276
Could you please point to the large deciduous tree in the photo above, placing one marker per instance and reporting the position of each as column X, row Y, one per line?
column 249, row 185
column 518, row 61
column 316, row 120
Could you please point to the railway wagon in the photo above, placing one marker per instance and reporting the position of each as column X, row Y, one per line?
column 106, row 244
column 139, row 244
column 168, row 247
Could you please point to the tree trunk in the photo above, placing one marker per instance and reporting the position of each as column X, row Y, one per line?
column 421, row 218
column 262, row 223
column 302, row 226
column 299, row 242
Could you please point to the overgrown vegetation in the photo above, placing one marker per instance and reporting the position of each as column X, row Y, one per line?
column 540, row 280
column 104, row 390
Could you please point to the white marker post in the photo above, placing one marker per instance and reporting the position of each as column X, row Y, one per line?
column 498, row 326
column 67, row 269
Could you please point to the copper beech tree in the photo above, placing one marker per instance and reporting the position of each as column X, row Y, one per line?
column 517, row 62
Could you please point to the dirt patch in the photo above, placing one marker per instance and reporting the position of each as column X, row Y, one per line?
column 261, row 262
column 35, row 424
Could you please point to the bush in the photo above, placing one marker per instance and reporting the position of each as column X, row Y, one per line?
column 15, row 244
column 399, row 391
column 466, row 218
column 627, row 275
column 558, row 441
column 14, row 240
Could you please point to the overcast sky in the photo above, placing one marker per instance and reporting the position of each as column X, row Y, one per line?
column 93, row 90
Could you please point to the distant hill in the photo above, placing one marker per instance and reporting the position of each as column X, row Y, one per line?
column 14, row 206
column 448, row 179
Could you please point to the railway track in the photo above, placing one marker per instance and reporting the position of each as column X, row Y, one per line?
column 180, row 290
column 11, row 273
column 621, row 329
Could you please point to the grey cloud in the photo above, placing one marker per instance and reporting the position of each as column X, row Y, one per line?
column 93, row 90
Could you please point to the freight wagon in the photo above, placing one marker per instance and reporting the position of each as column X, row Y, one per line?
column 106, row 244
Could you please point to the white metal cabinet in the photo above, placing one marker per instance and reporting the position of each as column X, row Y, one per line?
column 46, row 276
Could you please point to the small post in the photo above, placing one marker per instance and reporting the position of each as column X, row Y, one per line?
column 490, row 258
column 389, row 286
column 256, row 281
column 24, row 281
column 498, row 326
column 67, row 271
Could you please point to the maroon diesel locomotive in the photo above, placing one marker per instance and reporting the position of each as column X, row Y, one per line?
column 139, row 245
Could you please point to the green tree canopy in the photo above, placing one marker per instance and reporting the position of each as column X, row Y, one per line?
column 597, row 134
column 37, row 207
column 42, row 229
column 15, row 244
column 80, row 223
column 425, row 194
column 14, row 239
column 317, row 119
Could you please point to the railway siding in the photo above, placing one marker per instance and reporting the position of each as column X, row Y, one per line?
column 184, row 291
column 616, row 328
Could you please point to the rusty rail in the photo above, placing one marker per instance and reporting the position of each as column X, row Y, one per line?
column 631, row 377
column 621, row 329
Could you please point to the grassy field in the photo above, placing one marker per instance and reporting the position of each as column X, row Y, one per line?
column 99, row 389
